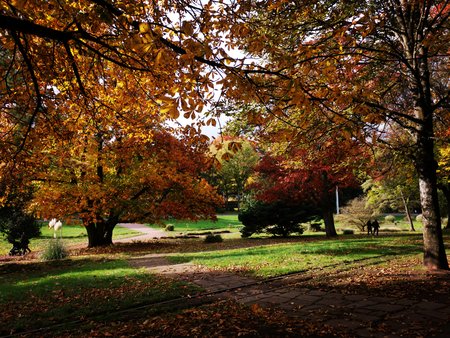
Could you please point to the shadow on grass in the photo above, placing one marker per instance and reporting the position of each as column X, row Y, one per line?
column 49, row 293
column 350, row 248
column 38, row 278
column 64, row 236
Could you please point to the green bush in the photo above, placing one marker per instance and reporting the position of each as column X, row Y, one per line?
column 55, row 250
column 389, row 219
column 15, row 224
column 315, row 227
column 276, row 218
column 348, row 232
column 169, row 227
column 211, row 238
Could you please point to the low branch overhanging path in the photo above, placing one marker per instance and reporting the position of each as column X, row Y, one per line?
column 361, row 315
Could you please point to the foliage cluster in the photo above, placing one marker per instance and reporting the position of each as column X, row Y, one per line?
column 328, row 74
column 234, row 159
column 389, row 219
column 357, row 213
column 15, row 220
column 276, row 218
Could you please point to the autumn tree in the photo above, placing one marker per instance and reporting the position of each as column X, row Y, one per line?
column 85, row 97
column 300, row 176
column 358, row 212
column 109, row 178
column 394, row 182
column 444, row 177
column 361, row 65
column 235, row 160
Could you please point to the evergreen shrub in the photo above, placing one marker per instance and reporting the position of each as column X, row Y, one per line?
column 276, row 218
column 211, row 238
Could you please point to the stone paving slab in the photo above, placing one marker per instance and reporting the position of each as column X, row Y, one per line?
column 362, row 315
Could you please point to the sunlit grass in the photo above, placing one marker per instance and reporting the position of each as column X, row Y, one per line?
column 71, row 235
column 224, row 222
column 273, row 260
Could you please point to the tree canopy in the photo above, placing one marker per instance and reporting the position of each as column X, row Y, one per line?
column 363, row 67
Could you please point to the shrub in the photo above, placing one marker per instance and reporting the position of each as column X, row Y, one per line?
column 169, row 227
column 211, row 238
column 419, row 218
column 55, row 250
column 276, row 218
column 389, row 219
column 315, row 227
column 348, row 232
column 15, row 223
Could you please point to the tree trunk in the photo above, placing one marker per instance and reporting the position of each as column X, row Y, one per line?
column 408, row 213
column 327, row 204
column 426, row 166
column 99, row 232
column 330, row 229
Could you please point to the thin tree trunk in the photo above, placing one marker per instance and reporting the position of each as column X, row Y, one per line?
column 446, row 191
column 408, row 213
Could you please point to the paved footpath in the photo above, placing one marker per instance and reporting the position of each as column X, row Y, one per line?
column 355, row 314
column 147, row 233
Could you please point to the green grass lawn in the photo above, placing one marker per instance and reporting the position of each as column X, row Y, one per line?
column 72, row 234
column 224, row 222
column 273, row 260
column 400, row 225
column 76, row 234
column 46, row 293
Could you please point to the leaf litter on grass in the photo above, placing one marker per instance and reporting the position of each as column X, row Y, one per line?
column 219, row 319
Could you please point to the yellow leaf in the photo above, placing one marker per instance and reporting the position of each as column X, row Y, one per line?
column 159, row 57
column 144, row 27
